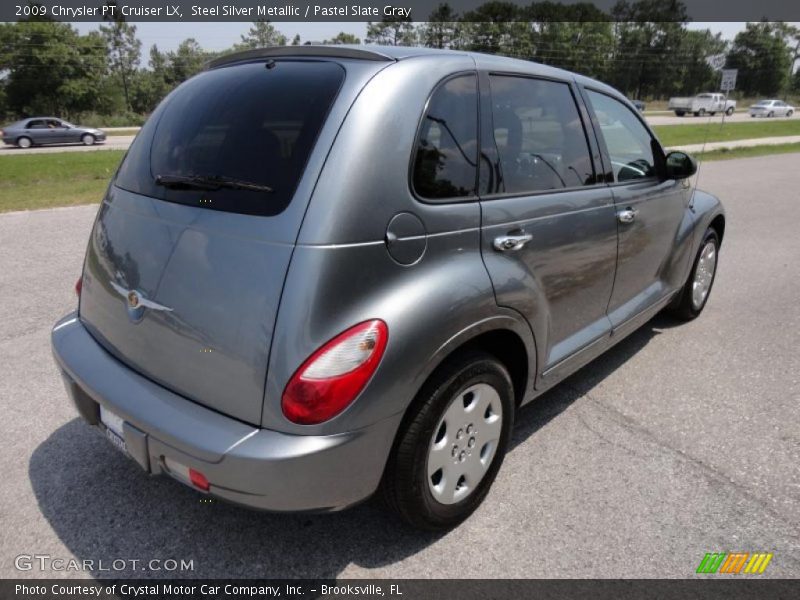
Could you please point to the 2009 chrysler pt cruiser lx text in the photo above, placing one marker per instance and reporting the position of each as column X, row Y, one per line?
column 320, row 272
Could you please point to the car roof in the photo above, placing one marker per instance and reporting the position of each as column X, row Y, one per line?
column 399, row 53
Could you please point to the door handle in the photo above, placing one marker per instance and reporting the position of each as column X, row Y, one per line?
column 626, row 216
column 505, row 243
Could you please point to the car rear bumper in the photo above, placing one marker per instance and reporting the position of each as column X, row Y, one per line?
column 256, row 467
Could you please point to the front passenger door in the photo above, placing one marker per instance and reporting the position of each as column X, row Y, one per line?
column 652, row 215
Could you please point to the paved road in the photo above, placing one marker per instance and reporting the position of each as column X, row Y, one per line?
column 113, row 142
column 121, row 142
column 767, row 141
column 680, row 441
column 737, row 117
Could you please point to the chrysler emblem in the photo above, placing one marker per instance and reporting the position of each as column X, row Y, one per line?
column 136, row 302
column 133, row 299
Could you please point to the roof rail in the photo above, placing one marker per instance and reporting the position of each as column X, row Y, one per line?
column 281, row 51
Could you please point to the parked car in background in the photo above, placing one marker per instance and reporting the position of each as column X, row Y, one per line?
column 37, row 131
column 640, row 106
column 280, row 309
column 701, row 105
column 771, row 108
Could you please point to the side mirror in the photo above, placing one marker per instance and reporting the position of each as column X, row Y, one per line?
column 680, row 165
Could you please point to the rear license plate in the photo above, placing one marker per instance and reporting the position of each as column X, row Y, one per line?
column 113, row 426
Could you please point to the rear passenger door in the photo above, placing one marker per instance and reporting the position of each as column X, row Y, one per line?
column 37, row 130
column 650, row 210
column 549, row 232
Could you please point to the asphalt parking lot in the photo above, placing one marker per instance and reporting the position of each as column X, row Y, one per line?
column 684, row 439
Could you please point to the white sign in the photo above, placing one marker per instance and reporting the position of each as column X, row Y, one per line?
column 728, row 79
column 717, row 61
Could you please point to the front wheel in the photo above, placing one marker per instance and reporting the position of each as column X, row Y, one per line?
column 451, row 446
column 679, row 113
column 87, row 139
column 770, row 114
column 789, row 113
column 729, row 112
column 691, row 300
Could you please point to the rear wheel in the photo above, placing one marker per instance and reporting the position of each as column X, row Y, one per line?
column 450, row 449
column 87, row 139
column 691, row 300
column 24, row 142
column 712, row 113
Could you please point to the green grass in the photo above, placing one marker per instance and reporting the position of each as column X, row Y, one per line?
column 681, row 135
column 58, row 179
column 122, row 132
column 731, row 153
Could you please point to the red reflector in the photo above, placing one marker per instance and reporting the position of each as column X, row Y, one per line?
column 334, row 375
column 79, row 286
column 198, row 480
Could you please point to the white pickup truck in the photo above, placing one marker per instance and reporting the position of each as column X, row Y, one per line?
column 702, row 104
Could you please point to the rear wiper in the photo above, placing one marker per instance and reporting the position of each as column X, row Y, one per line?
column 209, row 182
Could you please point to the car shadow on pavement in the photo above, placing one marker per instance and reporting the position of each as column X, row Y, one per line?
column 103, row 507
column 552, row 403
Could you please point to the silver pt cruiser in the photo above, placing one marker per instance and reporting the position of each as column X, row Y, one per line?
column 322, row 272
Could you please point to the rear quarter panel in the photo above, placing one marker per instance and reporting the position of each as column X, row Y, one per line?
column 341, row 273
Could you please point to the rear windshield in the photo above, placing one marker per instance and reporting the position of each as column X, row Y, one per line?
column 246, row 123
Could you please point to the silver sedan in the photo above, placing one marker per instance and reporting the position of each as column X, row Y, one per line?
column 49, row 130
column 771, row 108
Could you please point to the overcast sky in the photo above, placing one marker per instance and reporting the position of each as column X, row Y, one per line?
column 219, row 36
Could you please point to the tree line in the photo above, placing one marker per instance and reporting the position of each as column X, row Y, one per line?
column 641, row 47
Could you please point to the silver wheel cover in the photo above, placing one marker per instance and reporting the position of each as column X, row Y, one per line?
column 464, row 443
column 704, row 275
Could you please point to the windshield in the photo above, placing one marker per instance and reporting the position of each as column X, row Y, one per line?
column 234, row 139
column 764, row 103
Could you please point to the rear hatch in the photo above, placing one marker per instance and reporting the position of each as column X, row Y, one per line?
column 187, row 259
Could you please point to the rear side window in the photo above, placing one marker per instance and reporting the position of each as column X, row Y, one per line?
column 539, row 135
column 629, row 144
column 246, row 123
column 446, row 155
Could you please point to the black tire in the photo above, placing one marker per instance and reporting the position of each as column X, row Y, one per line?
column 730, row 111
column 88, row 139
column 770, row 114
column 712, row 113
column 789, row 113
column 24, row 142
column 700, row 113
column 405, row 487
column 679, row 113
column 683, row 305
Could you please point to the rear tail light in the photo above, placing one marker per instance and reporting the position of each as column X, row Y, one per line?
column 334, row 375
column 79, row 286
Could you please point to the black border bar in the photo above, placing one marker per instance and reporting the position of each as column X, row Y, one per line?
column 376, row 10
column 708, row 588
